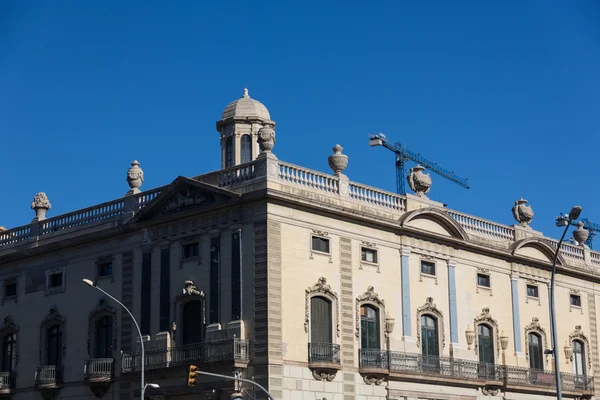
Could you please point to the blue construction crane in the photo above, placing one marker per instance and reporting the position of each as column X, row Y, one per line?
column 592, row 227
column 403, row 155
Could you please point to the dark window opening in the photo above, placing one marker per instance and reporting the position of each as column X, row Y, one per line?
column 229, row 152
column 536, row 354
column 483, row 280
column 320, row 244
column 191, row 250
column 104, row 337
column 369, row 255
column 10, row 290
column 105, row 269
column 9, row 352
column 55, row 280
column 485, row 344
column 532, row 291
column 246, row 147
column 192, row 322
column 320, row 320
column 54, row 345
column 429, row 336
column 428, row 268
column 369, row 327
column 576, row 300
column 578, row 358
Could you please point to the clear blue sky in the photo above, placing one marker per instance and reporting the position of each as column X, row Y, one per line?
column 506, row 93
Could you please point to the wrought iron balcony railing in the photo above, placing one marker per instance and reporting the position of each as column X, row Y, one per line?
column 541, row 378
column 324, row 353
column 49, row 375
column 99, row 369
column 7, row 381
column 205, row 352
column 373, row 358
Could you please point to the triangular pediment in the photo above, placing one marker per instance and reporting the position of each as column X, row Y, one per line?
column 184, row 194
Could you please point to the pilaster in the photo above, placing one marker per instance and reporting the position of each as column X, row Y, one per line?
column 405, row 276
column 452, row 303
column 514, row 287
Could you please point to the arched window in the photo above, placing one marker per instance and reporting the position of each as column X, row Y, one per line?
column 229, row 152
column 192, row 322
column 536, row 353
column 104, row 337
column 54, row 345
column 429, row 336
column 246, row 146
column 578, row 358
column 369, row 327
column 485, row 339
column 9, row 352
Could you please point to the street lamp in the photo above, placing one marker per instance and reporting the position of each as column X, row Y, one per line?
column 144, row 385
column 566, row 222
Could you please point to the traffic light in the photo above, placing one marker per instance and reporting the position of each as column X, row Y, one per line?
column 192, row 376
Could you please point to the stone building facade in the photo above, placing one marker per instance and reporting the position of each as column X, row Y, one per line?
column 315, row 286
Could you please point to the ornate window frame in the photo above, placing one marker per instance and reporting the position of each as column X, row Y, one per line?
column 528, row 283
column 432, row 260
column 430, row 308
column 535, row 327
column 372, row 298
column 483, row 271
column 373, row 247
column 103, row 261
column 575, row 292
column 321, row 289
column 103, row 309
column 190, row 240
column 9, row 326
column 578, row 334
column 57, row 289
column 53, row 318
column 323, row 235
column 485, row 318
column 11, row 280
column 189, row 293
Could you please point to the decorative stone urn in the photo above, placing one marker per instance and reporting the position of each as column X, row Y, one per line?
column 419, row 181
column 40, row 205
column 580, row 234
column 338, row 161
column 522, row 212
column 266, row 138
column 135, row 177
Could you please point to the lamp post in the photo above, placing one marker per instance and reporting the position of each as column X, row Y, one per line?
column 566, row 222
column 91, row 284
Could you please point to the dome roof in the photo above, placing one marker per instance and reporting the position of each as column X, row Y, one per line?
column 246, row 107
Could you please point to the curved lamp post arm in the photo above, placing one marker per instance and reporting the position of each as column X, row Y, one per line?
column 237, row 379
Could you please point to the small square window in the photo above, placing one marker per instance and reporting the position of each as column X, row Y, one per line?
column 191, row 250
column 532, row 291
column 483, row 280
column 576, row 300
column 55, row 280
column 427, row 267
column 320, row 244
column 10, row 289
column 369, row 255
column 105, row 269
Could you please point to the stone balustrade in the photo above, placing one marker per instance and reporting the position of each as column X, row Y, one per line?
column 483, row 227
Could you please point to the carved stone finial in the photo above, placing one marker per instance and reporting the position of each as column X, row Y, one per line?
column 40, row 205
column 338, row 161
column 522, row 212
column 419, row 181
column 580, row 234
column 246, row 95
column 135, row 178
column 266, row 138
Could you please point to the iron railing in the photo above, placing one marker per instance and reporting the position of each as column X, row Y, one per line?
column 542, row 378
column 49, row 375
column 98, row 368
column 443, row 366
column 205, row 352
column 7, row 380
column 373, row 358
column 324, row 353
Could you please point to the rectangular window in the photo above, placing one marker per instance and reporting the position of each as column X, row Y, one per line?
column 576, row 300
column 55, row 280
column 10, row 289
column 369, row 255
column 214, row 280
column 105, row 269
column 428, row 268
column 320, row 244
column 191, row 250
column 483, row 280
column 532, row 291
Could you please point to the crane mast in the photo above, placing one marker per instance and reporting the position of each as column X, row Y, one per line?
column 403, row 155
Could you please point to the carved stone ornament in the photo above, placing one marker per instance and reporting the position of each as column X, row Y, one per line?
column 135, row 177
column 484, row 317
column 535, row 327
column 53, row 318
column 522, row 212
column 419, row 181
column 368, row 297
column 580, row 234
column 188, row 197
column 490, row 390
column 430, row 308
column 102, row 309
column 578, row 334
column 321, row 288
column 338, row 161
column 189, row 289
column 322, row 375
column 317, row 232
column 266, row 138
column 373, row 379
column 40, row 205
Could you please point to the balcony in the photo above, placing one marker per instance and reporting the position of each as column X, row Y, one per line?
column 7, row 383
column 373, row 364
column 226, row 353
column 49, row 378
column 99, row 370
column 324, row 360
column 543, row 382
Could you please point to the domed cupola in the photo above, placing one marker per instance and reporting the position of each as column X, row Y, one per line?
column 239, row 126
